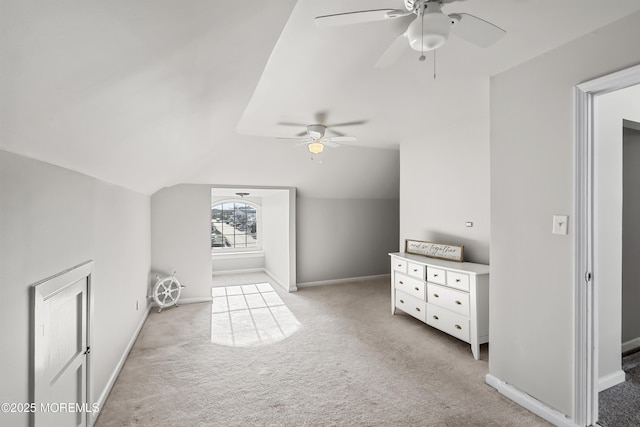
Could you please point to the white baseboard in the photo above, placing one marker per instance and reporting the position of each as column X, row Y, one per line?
column 242, row 271
column 193, row 300
column 610, row 380
column 339, row 281
column 291, row 288
column 528, row 402
column 114, row 375
column 631, row 345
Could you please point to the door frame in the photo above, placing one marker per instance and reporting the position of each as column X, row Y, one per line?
column 585, row 297
column 42, row 291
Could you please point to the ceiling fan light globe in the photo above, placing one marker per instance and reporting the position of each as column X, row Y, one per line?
column 316, row 147
column 429, row 34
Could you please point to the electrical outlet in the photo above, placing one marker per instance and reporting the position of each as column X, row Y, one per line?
column 560, row 224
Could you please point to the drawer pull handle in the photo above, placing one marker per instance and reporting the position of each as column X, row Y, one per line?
column 457, row 280
column 415, row 270
column 436, row 295
column 401, row 282
column 417, row 308
column 416, row 288
column 435, row 317
column 401, row 301
column 458, row 327
column 458, row 302
column 435, row 275
column 399, row 265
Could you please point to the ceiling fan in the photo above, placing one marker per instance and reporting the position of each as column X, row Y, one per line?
column 428, row 31
column 315, row 138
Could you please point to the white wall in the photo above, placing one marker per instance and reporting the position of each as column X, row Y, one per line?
column 531, row 321
column 631, row 236
column 277, row 238
column 343, row 238
column 444, row 179
column 180, row 236
column 611, row 110
column 52, row 219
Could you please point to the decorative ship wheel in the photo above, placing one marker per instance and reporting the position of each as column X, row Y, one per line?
column 166, row 291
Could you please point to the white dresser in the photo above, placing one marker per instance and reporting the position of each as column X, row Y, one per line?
column 448, row 295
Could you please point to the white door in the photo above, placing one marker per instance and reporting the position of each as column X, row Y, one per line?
column 61, row 349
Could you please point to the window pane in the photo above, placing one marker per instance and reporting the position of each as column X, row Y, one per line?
column 233, row 225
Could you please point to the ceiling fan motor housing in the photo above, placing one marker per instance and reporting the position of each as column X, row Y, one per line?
column 430, row 29
column 316, row 131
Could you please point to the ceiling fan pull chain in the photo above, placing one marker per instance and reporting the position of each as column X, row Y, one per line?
column 422, row 33
column 434, row 64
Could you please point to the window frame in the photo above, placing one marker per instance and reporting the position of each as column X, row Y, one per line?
column 241, row 250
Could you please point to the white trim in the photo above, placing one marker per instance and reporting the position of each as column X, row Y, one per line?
column 291, row 288
column 585, row 404
column 240, row 271
column 630, row 345
column 528, row 402
column 610, row 380
column 114, row 375
column 585, row 302
column 339, row 281
column 193, row 300
column 237, row 255
column 40, row 293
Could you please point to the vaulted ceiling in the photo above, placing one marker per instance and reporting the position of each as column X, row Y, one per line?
column 150, row 93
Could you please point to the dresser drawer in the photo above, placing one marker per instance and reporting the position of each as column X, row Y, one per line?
column 416, row 270
column 399, row 265
column 451, row 299
column 451, row 323
column 411, row 305
column 436, row 275
column 458, row 280
column 410, row 285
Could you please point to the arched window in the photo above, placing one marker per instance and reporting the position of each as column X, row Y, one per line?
column 234, row 226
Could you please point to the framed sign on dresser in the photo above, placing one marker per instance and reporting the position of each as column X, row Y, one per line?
column 450, row 296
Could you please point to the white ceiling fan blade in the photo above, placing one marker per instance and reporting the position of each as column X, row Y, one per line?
column 393, row 52
column 302, row 140
column 357, row 17
column 330, row 143
column 341, row 139
column 475, row 30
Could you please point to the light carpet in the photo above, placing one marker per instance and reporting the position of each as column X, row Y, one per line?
column 351, row 363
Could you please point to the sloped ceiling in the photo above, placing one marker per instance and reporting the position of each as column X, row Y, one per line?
column 150, row 93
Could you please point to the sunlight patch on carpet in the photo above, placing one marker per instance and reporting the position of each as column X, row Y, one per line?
column 249, row 315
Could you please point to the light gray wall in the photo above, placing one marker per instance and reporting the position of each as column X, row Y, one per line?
column 611, row 110
column 343, row 238
column 444, row 179
column 52, row 219
column 531, row 321
column 277, row 237
column 180, row 236
column 335, row 238
column 631, row 236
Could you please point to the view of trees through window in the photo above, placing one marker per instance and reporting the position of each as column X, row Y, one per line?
column 233, row 225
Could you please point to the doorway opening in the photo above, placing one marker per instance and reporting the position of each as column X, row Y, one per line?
column 253, row 229
column 592, row 255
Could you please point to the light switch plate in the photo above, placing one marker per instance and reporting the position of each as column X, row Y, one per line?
column 560, row 224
